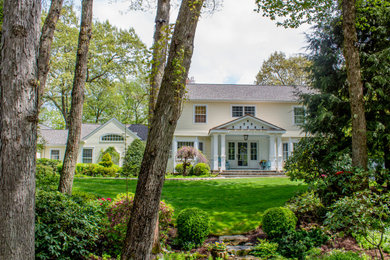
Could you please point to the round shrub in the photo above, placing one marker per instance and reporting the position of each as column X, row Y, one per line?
column 193, row 226
column 46, row 178
column 201, row 169
column 64, row 228
column 278, row 221
column 179, row 169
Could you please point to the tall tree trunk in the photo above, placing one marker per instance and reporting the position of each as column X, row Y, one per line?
column 351, row 54
column 18, row 127
column 76, row 109
column 47, row 36
column 139, row 237
column 160, row 49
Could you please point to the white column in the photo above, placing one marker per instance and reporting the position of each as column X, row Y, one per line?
column 272, row 152
column 196, row 143
column 215, row 153
column 223, row 153
column 174, row 151
column 290, row 147
column 279, row 166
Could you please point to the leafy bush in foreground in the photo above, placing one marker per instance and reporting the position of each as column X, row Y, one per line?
column 65, row 229
column 278, row 221
column 201, row 169
column 193, row 226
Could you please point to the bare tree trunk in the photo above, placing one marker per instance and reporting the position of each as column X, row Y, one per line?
column 160, row 49
column 18, row 127
column 351, row 54
column 76, row 109
column 139, row 237
column 47, row 36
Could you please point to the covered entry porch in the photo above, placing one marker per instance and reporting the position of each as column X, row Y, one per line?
column 247, row 143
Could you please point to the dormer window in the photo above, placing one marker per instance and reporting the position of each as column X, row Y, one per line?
column 112, row 138
column 239, row 111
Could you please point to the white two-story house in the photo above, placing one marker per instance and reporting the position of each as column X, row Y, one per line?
column 240, row 127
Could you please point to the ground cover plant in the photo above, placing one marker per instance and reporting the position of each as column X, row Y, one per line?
column 235, row 206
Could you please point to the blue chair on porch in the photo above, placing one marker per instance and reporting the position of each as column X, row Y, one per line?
column 268, row 165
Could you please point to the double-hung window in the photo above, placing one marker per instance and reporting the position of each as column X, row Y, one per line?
column 238, row 111
column 254, row 151
column 87, row 155
column 55, row 154
column 299, row 115
column 231, row 151
column 285, row 151
column 181, row 144
column 200, row 114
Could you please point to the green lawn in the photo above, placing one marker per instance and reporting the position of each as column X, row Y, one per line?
column 235, row 205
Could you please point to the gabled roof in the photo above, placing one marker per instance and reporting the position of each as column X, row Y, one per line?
column 247, row 123
column 115, row 121
column 232, row 92
column 59, row 137
column 140, row 130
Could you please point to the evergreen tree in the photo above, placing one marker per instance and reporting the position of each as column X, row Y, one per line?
column 133, row 158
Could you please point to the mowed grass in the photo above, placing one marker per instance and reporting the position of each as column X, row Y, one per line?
column 235, row 205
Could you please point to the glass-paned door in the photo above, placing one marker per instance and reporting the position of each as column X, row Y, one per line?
column 242, row 158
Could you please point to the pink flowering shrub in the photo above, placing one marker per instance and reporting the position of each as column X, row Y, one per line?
column 118, row 214
column 187, row 153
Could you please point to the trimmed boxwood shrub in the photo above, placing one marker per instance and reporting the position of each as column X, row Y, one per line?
column 179, row 169
column 65, row 229
column 278, row 221
column 193, row 226
column 201, row 169
column 46, row 178
column 49, row 162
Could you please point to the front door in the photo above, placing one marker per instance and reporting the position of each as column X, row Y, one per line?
column 242, row 156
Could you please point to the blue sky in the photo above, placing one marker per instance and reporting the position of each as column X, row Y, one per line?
column 230, row 45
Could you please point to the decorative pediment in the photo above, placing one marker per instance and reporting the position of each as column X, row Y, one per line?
column 248, row 122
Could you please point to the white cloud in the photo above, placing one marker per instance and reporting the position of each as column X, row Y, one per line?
column 230, row 45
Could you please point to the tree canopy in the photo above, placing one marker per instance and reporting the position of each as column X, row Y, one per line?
column 279, row 70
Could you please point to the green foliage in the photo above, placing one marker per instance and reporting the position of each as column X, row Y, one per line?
column 118, row 214
column 106, row 161
column 201, row 169
column 278, row 70
column 342, row 255
column 133, row 158
column 265, row 249
column 115, row 156
column 97, row 170
column 297, row 244
column 376, row 236
column 307, row 207
column 360, row 214
column 193, row 226
column 278, row 221
column 46, row 178
column 49, row 162
column 65, row 229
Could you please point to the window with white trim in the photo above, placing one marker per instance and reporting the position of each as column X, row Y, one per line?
column 285, row 151
column 299, row 115
column 231, row 151
column 55, row 154
column 181, row 144
column 112, row 138
column 253, row 151
column 238, row 111
column 87, row 155
column 201, row 146
column 200, row 113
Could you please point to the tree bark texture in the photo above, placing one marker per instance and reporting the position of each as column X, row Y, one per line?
column 76, row 109
column 160, row 49
column 351, row 54
column 139, row 237
column 46, row 40
column 18, row 127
